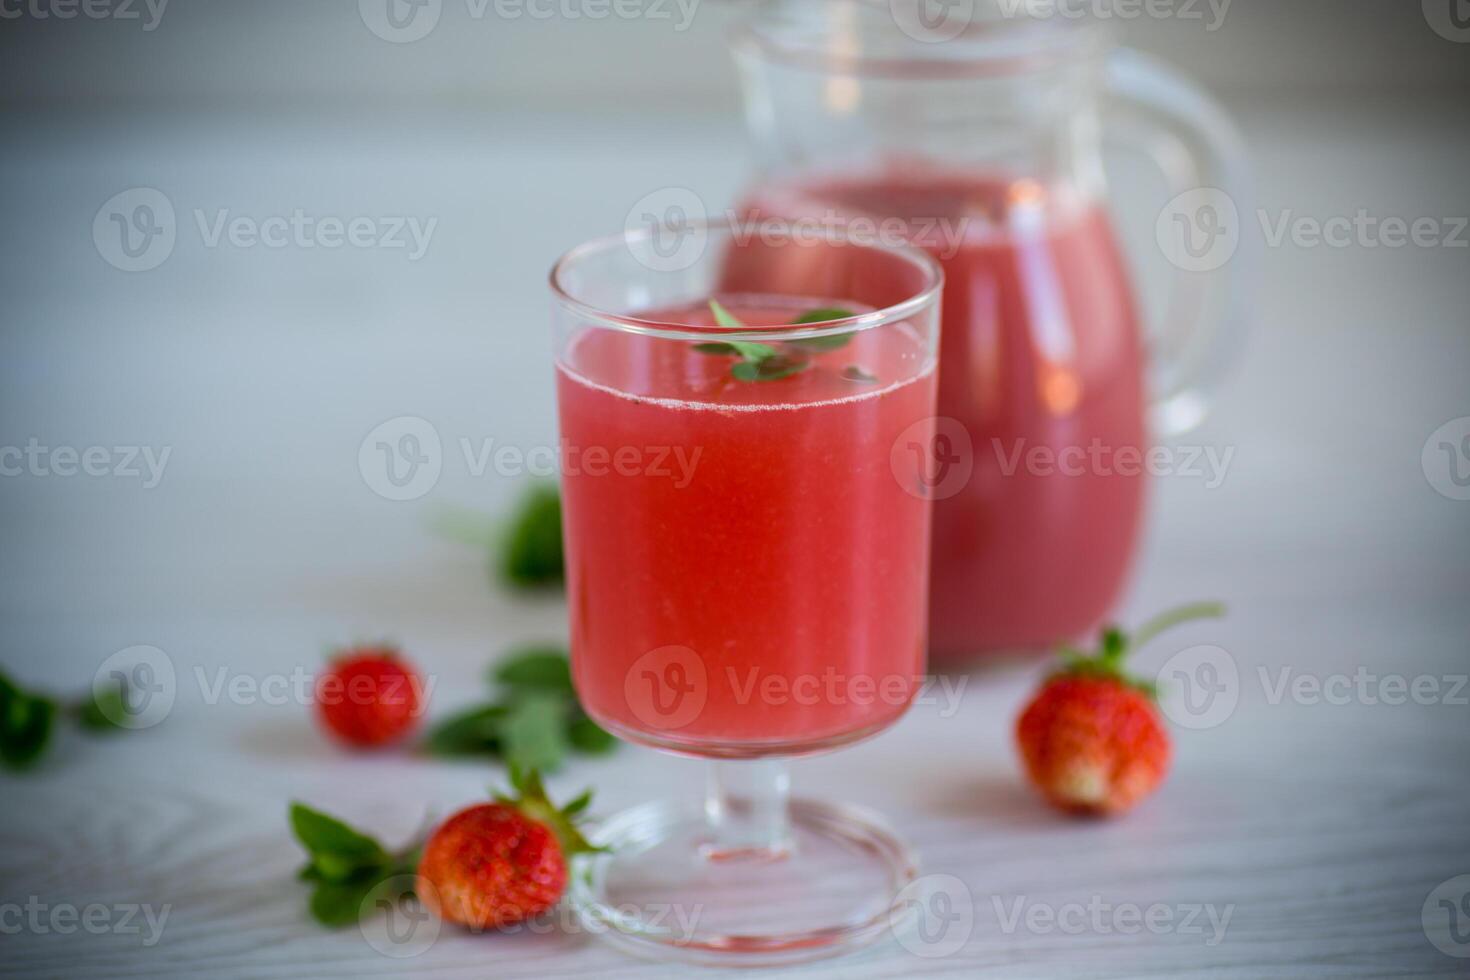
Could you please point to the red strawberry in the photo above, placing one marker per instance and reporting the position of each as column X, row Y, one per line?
column 369, row 697
column 497, row 864
column 1092, row 740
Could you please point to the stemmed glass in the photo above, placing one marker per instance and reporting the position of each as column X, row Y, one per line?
column 746, row 516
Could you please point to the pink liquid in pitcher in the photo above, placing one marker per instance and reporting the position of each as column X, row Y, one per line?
column 753, row 579
column 1041, row 361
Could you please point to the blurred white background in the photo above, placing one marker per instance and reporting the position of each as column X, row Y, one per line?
column 582, row 56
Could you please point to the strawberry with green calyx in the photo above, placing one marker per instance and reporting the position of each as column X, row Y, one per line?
column 497, row 864
column 1092, row 740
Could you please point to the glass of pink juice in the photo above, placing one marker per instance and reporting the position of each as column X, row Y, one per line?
column 747, row 551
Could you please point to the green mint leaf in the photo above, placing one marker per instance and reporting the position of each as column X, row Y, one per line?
column 97, row 712
column 533, row 733
column 770, row 369
column 531, row 552
column 760, row 362
column 823, row 315
column 587, row 736
column 536, row 668
column 337, row 851
column 753, row 353
column 724, row 317
column 713, row 348
column 855, row 373
column 26, row 722
column 475, row 731
column 341, row 903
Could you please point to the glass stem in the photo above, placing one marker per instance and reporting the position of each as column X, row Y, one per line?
column 747, row 806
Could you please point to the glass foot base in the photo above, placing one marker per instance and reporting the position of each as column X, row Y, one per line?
column 666, row 890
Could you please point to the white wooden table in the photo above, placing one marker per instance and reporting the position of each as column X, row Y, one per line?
column 1319, row 828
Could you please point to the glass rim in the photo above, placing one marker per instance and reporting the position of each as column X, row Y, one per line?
column 632, row 323
column 990, row 46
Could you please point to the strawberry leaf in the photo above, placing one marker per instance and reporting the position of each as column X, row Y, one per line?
column 1115, row 646
column 335, row 850
column 536, row 668
column 534, row 803
column 531, row 550
column 533, row 732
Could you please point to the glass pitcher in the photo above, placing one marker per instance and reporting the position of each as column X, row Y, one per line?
column 977, row 132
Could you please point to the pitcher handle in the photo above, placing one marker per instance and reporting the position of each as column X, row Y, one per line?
column 1200, row 231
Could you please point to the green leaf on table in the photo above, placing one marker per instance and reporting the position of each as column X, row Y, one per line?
column 335, row 850
column 531, row 550
column 533, row 723
column 533, row 732
column 26, row 722
column 537, row 668
column 340, row 903
column 346, row 868
column 98, row 712
column 585, row 735
column 472, row 732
